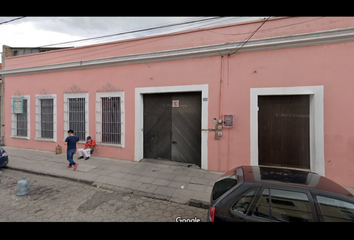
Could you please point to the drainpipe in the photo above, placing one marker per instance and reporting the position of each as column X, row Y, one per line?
column 220, row 106
column 221, row 86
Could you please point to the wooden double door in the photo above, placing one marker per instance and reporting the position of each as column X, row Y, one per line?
column 172, row 127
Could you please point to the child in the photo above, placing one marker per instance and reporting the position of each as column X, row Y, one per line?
column 89, row 145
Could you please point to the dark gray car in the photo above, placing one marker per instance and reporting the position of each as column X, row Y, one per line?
column 270, row 194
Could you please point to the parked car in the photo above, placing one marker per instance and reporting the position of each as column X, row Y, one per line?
column 271, row 194
column 4, row 158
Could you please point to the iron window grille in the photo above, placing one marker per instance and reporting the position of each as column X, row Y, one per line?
column 110, row 118
column 22, row 120
column 77, row 116
column 20, row 117
column 46, row 117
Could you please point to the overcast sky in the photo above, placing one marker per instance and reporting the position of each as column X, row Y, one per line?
column 41, row 31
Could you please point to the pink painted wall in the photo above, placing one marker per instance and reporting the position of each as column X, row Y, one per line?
column 328, row 65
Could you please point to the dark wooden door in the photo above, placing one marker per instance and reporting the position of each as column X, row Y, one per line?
column 186, row 128
column 173, row 131
column 283, row 131
column 157, row 126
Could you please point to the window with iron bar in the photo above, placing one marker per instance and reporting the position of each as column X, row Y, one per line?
column 77, row 117
column 46, row 117
column 20, row 117
column 22, row 121
column 110, row 118
column 76, row 114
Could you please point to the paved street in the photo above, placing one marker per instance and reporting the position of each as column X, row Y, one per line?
column 54, row 199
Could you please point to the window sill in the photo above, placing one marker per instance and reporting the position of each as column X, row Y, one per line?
column 110, row 145
column 45, row 139
column 20, row 137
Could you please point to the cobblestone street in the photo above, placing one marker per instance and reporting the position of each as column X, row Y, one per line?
column 55, row 200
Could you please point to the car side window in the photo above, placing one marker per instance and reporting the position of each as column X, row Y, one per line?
column 223, row 184
column 283, row 206
column 334, row 210
column 289, row 206
column 244, row 202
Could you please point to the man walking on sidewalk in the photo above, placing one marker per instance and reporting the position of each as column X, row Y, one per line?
column 70, row 142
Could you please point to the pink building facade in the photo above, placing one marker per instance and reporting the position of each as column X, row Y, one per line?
column 284, row 98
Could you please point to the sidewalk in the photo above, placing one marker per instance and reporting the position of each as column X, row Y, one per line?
column 172, row 181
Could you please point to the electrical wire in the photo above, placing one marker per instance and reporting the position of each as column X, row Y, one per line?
column 99, row 51
column 151, row 33
column 264, row 30
column 243, row 44
column 133, row 31
column 15, row 19
column 107, row 48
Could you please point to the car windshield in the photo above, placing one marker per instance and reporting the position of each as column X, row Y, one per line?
column 224, row 183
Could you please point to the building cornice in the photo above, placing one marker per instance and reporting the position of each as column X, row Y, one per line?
column 288, row 41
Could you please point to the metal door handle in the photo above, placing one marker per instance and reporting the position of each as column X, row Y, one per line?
column 174, row 142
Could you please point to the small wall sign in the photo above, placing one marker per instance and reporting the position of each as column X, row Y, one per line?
column 17, row 105
column 175, row 103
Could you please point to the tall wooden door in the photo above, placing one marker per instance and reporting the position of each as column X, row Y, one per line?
column 157, row 126
column 172, row 127
column 283, row 131
column 186, row 128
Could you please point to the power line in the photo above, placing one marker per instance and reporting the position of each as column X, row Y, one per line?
column 15, row 19
column 133, row 31
column 264, row 30
column 243, row 44
column 97, row 51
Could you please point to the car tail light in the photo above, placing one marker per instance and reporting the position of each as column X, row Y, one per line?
column 211, row 214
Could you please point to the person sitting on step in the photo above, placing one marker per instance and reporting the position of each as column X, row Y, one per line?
column 89, row 146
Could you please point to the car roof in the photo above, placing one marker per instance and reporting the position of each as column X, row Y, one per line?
column 293, row 177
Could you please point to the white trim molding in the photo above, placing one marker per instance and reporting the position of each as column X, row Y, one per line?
column 139, row 117
column 317, row 162
column 287, row 41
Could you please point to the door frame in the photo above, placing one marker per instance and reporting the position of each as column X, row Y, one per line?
column 139, row 116
column 317, row 163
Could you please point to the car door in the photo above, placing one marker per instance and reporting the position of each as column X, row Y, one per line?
column 282, row 204
column 334, row 207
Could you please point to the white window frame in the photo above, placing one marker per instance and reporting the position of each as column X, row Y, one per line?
column 38, row 130
column 100, row 95
column 66, row 115
column 14, row 119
